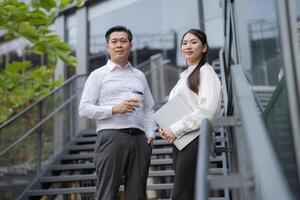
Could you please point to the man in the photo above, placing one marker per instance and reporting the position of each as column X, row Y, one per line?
column 125, row 127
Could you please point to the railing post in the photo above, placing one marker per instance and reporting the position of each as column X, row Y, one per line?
column 70, row 110
column 154, row 77
column 157, row 78
column 161, row 75
column 39, row 140
column 202, row 161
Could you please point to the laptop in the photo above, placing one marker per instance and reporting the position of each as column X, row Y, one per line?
column 171, row 112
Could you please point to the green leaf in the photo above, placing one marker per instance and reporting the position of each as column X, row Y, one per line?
column 8, row 36
column 61, row 46
column 47, row 4
column 39, row 18
column 53, row 14
column 17, row 66
column 62, row 55
column 39, row 72
column 43, row 30
column 63, row 3
column 52, row 59
column 72, row 60
column 28, row 31
column 52, row 37
column 79, row 3
column 40, row 48
column 20, row 85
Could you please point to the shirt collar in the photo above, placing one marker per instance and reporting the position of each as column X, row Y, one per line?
column 111, row 65
column 188, row 71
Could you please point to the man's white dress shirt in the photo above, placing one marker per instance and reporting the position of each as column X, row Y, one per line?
column 110, row 85
column 204, row 105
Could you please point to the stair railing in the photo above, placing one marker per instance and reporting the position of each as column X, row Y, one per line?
column 161, row 77
column 258, row 174
column 56, row 115
column 33, row 118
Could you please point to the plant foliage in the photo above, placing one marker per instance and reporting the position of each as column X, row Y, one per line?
column 20, row 82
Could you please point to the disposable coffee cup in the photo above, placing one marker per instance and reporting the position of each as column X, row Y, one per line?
column 137, row 96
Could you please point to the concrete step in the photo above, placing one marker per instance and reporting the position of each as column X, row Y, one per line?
column 92, row 140
column 90, row 147
column 85, row 177
column 91, row 166
column 57, row 191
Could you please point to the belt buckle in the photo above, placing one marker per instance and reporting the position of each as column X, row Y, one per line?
column 131, row 131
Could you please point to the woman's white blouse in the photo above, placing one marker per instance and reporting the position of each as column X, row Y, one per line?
column 204, row 105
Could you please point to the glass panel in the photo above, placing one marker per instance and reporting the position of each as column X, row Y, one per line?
column 297, row 7
column 71, row 35
column 71, row 31
column 35, row 59
column 161, row 35
column 16, row 55
column 18, row 168
column 278, row 123
column 263, row 31
column 2, row 62
column 266, row 75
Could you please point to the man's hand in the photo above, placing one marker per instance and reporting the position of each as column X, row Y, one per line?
column 125, row 106
column 150, row 140
column 167, row 134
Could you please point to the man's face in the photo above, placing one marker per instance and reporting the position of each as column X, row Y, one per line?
column 118, row 47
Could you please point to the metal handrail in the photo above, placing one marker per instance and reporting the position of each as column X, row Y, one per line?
column 38, row 101
column 275, row 95
column 42, row 119
column 202, row 161
column 207, row 147
column 270, row 179
column 249, row 143
column 223, row 80
column 38, row 125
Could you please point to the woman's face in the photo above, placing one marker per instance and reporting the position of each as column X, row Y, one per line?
column 192, row 49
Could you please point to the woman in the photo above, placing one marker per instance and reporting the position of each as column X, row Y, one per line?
column 200, row 87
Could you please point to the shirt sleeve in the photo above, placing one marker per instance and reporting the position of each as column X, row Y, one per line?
column 88, row 106
column 208, row 104
column 148, row 111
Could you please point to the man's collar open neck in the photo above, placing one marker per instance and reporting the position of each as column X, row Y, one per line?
column 114, row 64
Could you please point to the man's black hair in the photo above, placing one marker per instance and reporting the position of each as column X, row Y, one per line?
column 118, row 29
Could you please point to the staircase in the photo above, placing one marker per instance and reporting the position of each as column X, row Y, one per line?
column 72, row 174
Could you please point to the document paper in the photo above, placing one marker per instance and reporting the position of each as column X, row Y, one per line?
column 171, row 112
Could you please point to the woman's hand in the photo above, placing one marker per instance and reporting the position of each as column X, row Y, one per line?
column 167, row 134
column 150, row 140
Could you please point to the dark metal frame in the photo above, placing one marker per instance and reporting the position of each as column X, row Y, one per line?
column 41, row 119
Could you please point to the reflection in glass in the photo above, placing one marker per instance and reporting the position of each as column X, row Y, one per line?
column 16, row 55
column 35, row 59
column 266, row 74
column 71, row 31
column 263, row 31
column 152, row 33
column 2, row 62
column 297, row 7
column 71, row 38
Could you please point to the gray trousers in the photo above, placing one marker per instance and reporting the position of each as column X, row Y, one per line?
column 119, row 154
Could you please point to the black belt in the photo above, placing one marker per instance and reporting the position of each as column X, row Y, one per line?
column 130, row 131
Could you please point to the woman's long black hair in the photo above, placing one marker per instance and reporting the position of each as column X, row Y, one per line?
column 194, row 78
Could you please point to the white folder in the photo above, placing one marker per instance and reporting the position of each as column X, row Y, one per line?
column 172, row 112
